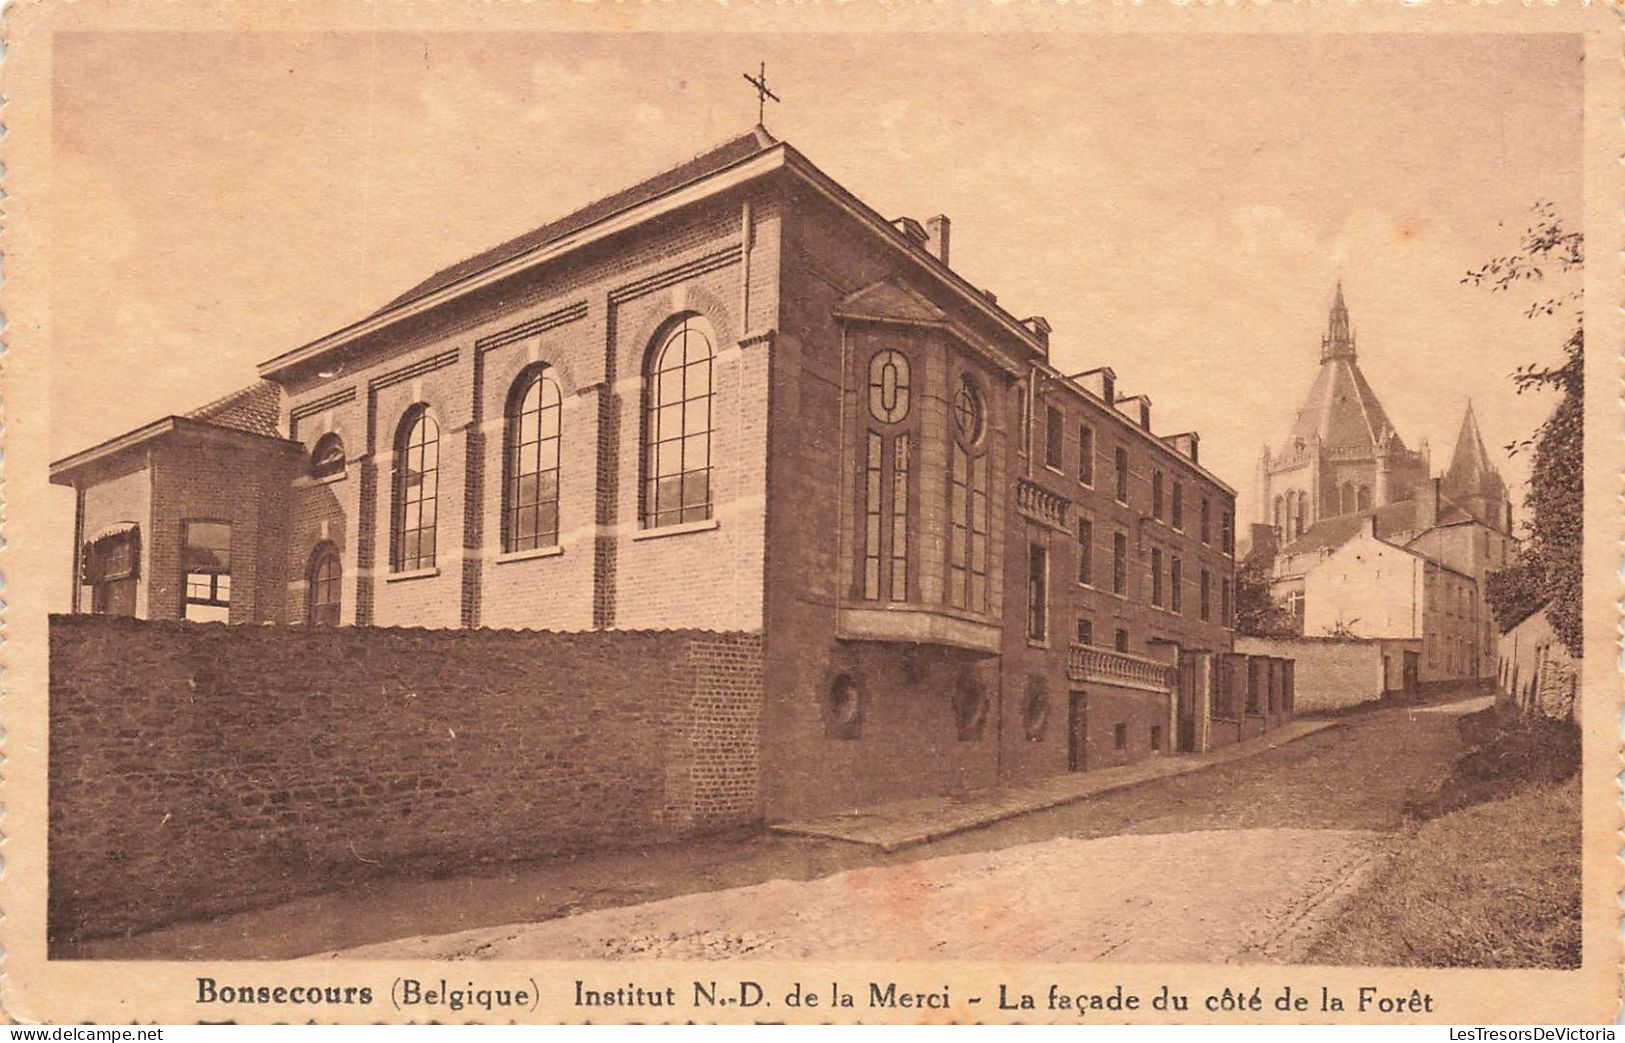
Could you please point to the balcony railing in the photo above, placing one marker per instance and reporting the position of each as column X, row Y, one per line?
column 1104, row 666
column 1042, row 506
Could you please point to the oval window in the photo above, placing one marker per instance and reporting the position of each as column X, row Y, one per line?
column 888, row 386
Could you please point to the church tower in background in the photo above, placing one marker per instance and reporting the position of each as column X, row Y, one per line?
column 1342, row 454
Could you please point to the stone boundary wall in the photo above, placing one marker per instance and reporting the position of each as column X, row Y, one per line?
column 199, row 769
column 1331, row 673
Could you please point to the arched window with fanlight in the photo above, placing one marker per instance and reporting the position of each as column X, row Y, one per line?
column 417, row 482
column 677, row 426
column 530, row 493
column 1363, row 498
column 886, row 467
column 327, row 459
column 968, row 500
column 322, row 586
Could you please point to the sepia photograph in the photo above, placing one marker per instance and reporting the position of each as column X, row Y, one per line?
column 766, row 499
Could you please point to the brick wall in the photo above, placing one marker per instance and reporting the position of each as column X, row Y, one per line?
column 198, row 769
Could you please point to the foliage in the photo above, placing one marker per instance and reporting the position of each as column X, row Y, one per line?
column 1514, row 593
column 1258, row 614
column 1552, row 558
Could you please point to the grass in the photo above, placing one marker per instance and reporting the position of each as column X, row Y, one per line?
column 1487, row 874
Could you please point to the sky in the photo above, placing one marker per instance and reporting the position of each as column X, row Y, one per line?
column 1179, row 207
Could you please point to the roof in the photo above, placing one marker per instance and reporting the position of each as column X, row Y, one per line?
column 62, row 472
column 256, row 409
column 1471, row 471
column 705, row 164
column 1333, row 532
column 1341, row 410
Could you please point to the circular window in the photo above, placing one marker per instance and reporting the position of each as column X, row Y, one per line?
column 968, row 421
column 845, row 701
column 970, row 706
column 888, row 386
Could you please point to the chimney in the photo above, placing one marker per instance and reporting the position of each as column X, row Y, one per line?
column 936, row 236
column 1039, row 326
column 992, row 298
column 1427, row 506
column 912, row 229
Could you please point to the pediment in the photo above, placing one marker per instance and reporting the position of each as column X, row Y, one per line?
column 887, row 301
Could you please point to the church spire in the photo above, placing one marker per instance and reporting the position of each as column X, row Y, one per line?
column 1471, row 471
column 1338, row 343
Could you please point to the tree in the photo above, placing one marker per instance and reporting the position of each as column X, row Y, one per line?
column 1550, row 571
column 1258, row 614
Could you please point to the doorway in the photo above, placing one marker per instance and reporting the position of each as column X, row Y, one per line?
column 1077, row 731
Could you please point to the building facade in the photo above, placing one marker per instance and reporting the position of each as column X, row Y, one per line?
column 732, row 397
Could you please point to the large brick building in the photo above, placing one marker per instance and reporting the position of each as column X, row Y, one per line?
column 732, row 397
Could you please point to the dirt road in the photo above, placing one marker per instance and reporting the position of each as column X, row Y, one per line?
column 1238, row 863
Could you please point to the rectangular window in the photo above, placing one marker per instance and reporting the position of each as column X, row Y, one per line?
column 206, row 559
column 1086, row 632
column 1086, row 552
column 1121, row 460
column 1156, row 495
column 1156, row 737
column 1086, row 455
column 967, row 537
column 1203, row 595
column 1053, row 437
column 1296, row 601
column 1207, row 520
column 1037, row 592
column 1224, row 602
column 1022, row 432
column 899, row 519
column 1176, row 579
column 871, row 519
column 1120, row 640
column 1119, row 563
column 1227, row 532
column 1156, row 576
column 1178, row 518
column 1120, row 736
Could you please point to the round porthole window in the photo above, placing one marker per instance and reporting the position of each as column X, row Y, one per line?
column 968, row 416
column 970, row 706
column 844, row 701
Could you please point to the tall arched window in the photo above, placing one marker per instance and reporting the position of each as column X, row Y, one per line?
column 677, row 427
column 1345, row 498
column 1363, row 498
column 968, row 502
column 322, row 582
column 530, row 495
column 1301, row 521
column 417, row 478
column 1280, row 519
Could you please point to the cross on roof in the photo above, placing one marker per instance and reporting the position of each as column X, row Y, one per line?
column 763, row 92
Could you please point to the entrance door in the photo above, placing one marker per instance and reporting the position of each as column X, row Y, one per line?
column 1413, row 671
column 1185, row 713
column 1077, row 730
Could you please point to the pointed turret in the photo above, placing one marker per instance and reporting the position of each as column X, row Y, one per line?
column 1472, row 473
column 1338, row 343
column 1341, row 411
